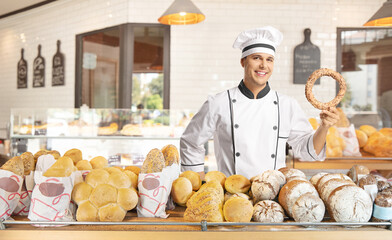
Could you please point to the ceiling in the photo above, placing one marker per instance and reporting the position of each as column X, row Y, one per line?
column 7, row 6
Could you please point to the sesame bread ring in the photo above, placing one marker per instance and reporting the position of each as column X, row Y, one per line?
column 316, row 75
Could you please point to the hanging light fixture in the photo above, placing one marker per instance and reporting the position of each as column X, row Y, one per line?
column 182, row 12
column 383, row 17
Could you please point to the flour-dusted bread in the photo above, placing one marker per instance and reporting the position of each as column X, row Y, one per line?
column 292, row 172
column 367, row 180
column 268, row 211
column 314, row 179
column 357, row 171
column 237, row 184
column 308, row 208
column 238, row 209
column 274, row 174
column 331, row 185
column 350, row 203
column 292, row 190
column 264, row 188
column 328, row 177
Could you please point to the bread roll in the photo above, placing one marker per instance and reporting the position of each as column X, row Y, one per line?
column 362, row 137
column 111, row 170
column 111, row 213
column 381, row 185
column 39, row 153
column 54, row 153
column 87, row 212
column 216, row 175
column 369, row 130
column 243, row 195
column 330, row 176
column 331, row 185
column 96, row 177
column 14, row 165
column 103, row 194
column 238, row 209
column 63, row 167
column 133, row 177
column 84, row 165
column 119, row 180
column 314, row 179
column 81, row 192
column 268, row 211
column 367, row 180
column 308, row 208
column 292, row 172
column 75, row 154
column 127, row 198
column 356, row 172
column 214, row 186
column 350, row 203
column 154, row 162
column 28, row 162
column 181, row 190
column 99, row 162
column 274, row 174
column 237, row 184
column 292, row 190
column 134, row 169
column 264, row 188
column 194, row 178
column 170, row 153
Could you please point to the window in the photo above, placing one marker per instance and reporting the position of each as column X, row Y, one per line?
column 364, row 57
column 125, row 66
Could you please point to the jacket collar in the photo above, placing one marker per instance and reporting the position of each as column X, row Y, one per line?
column 248, row 93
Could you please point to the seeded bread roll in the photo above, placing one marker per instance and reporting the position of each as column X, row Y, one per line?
column 367, row 180
column 14, row 165
column 268, row 211
column 331, row 185
column 170, row 153
column 28, row 162
column 154, row 162
column 111, row 213
column 81, row 192
column 99, row 162
column 75, row 154
column 216, row 175
column 314, row 179
column 349, row 203
column 308, row 208
column 127, row 198
column 328, row 177
column 237, row 184
column 87, row 212
column 194, row 178
column 181, row 190
column 238, row 209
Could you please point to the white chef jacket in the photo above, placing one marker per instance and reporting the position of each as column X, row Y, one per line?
column 249, row 134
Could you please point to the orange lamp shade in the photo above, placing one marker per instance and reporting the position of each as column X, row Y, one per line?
column 383, row 17
column 182, row 12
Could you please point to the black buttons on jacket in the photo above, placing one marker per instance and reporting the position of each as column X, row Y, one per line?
column 272, row 155
column 275, row 102
column 234, row 100
column 236, row 125
column 237, row 154
column 275, row 127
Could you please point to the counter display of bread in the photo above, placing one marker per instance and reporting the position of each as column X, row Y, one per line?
column 174, row 227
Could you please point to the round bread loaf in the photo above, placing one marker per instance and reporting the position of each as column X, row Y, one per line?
column 268, row 211
column 119, row 180
column 103, row 194
column 382, row 211
column 87, row 212
column 308, row 208
column 243, row 195
column 81, row 192
column 274, row 174
column 96, row 177
column 194, row 178
column 238, row 209
column 133, row 177
column 112, row 212
column 154, row 162
column 99, row 162
column 367, row 180
column 75, row 154
column 331, row 185
column 350, row 203
column 292, row 190
column 84, row 165
column 314, row 179
column 14, row 165
column 216, row 175
column 328, row 177
column 237, row 184
column 381, row 185
column 264, row 189
column 127, row 198
column 181, row 190
column 292, row 172
column 357, row 171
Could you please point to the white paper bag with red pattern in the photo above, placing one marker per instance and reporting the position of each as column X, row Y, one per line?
column 350, row 138
column 10, row 188
column 23, row 206
column 154, row 191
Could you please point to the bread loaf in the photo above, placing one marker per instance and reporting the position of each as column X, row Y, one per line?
column 28, row 162
column 238, row 209
column 99, row 162
column 170, row 153
column 231, row 195
column 75, row 154
column 274, row 174
column 87, row 212
column 14, row 165
column 54, row 153
column 368, row 129
column 308, row 208
column 181, row 190
column 264, row 188
column 194, row 178
column 331, row 185
column 367, row 180
column 382, row 208
column 216, row 175
column 362, row 137
column 292, row 190
column 292, row 172
column 154, row 162
column 330, row 176
column 134, row 169
column 237, row 184
column 63, row 167
column 268, row 211
column 357, row 171
column 381, row 185
column 349, row 203
column 314, row 179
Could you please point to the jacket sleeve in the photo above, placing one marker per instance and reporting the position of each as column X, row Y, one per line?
column 198, row 132
column 301, row 136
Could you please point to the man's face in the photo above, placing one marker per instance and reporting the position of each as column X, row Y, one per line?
column 258, row 69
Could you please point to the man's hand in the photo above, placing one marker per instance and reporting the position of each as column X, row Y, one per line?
column 329, row 117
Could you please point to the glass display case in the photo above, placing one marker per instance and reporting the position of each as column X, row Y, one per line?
column 123, row 136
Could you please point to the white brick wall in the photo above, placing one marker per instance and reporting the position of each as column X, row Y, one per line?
column 202, row 60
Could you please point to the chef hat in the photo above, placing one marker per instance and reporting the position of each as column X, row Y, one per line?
column 259, row 40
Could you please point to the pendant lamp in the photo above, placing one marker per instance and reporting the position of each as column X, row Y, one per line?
column 182, row 12
column 383, row 17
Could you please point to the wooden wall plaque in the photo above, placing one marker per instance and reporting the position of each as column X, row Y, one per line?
column 39, row 70
column 22, row 71
column 58, row 67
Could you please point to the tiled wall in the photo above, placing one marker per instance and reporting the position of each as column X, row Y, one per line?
column 202, row 60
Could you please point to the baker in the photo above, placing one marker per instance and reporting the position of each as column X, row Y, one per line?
column 251, row 123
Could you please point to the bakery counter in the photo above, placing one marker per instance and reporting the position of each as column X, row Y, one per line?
column 345, row 163
column 174, row 227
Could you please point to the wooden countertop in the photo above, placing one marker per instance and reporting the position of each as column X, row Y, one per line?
column 182, row 232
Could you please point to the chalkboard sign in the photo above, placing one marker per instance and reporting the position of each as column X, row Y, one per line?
column 22, row 71
column 306, row 60
column 58, row 73
column 39, row 70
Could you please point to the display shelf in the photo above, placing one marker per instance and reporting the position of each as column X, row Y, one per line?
column 96, row 137
column 345, row 163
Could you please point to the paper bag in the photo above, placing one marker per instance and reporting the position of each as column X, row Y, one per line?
column 350, row 138
column 154, row 191
column 10, row 188
column 23, row 206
